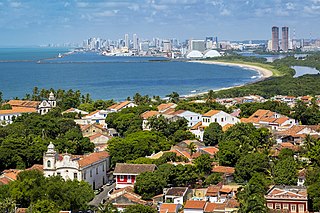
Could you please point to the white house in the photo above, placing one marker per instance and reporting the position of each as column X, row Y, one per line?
column 145, row 116
column 120, row 106
column 91, row 168
column 218, row 116
column 194, row 206
column 192, row 117
column 7, row 116
column 46, row 105
column 75, row 110
column 98, row 116
column 176, row 195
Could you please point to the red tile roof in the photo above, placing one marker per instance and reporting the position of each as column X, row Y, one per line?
column 211, row 150
column 162, row 107
column 211, row 113
column 119, row 106
column 125, row 168
column 149, row 114
column 223, row 169
column 195, row 204
column 168, row 207
column 86, row 160
column 17, row 110
column 24, row 103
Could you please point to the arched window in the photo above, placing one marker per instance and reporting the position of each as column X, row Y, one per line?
column 49, row 163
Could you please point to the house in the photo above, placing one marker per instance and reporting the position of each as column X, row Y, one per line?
column 230, row 206
column 218, row 116
column 191, row 117
column 176, row 195
column 125, row 197
column 269, row 119
column 99, row 139
column 296, row 134
column 91, row 168
column 221, row 193
column 126, row 173
column 92, row 129
column 120, row 106
column 194, row 206
column 210, row 150
column 7, row 116
column 287, row 198
column 165, row 107
column 95, row 117
column 169, row 208
column 145, row 116
column 227, row 172
column 9, row 175
column 302, row 177
column 74, row 110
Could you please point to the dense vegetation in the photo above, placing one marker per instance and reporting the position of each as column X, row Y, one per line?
column 33, row 191
column 23, row 143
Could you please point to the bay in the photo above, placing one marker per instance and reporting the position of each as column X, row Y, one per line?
column 115, row 77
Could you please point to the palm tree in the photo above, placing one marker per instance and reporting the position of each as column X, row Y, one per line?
column 210, row 96
column 192, row 148
column 174, row 97
column 107, row 208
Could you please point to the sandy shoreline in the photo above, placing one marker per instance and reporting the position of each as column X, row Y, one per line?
column 264, row 73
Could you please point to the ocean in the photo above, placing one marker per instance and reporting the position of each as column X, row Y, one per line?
column 110, row 77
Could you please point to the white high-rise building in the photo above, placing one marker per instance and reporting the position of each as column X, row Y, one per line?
column 126, row 40
column 135, row 42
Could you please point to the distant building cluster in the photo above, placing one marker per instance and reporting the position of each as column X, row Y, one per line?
column 199, row 48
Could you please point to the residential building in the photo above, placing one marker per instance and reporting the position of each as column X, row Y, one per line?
column 285, row 39
column 75, row 110
column 292, row 199
column 192, row 117
column 95, row 117
column 92, row 129
column 194, row 206
column 126, row 174
column 92, row 168
column 176, row 195
column 145, row 116
column 120, row 106
column 8, row 116
column 169, row 208
column 275, row 38
column 297, row 134
column 226, row 171
column 218, row 116
column 269, row 119
column 162, row 108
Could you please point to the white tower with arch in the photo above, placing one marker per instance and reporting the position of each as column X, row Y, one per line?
column 49, row 160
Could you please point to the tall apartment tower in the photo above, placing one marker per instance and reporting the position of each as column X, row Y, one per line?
column 275, row 38
column 285, row 39
column 135, row 42
column 126, row 40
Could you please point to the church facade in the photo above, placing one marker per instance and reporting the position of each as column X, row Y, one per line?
column 92, row 168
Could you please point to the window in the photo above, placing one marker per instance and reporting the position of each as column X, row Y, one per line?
column 97, row 170
column 270, row 205
column 58, row 173
column 301, row 208
column 75, row 176
column 84, row 175
column 278, row 206
column 285, row 206
column 293, row 207
column 90, row 172
column 49, row 163
column 221, row 119
column 216, row 120
column 103, row 168
column 121, row 177
column 129, row 179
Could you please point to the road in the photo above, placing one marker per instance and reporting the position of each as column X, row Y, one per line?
column 103, row 195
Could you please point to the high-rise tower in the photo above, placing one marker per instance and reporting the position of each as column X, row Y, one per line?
column 275, row 38
column 126, row 40
column 285, row 39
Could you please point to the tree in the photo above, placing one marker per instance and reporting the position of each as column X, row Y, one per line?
column 285, row 172
column 139, row 209
column 107, row 208
column 174, row 97
column 203, row 163
column 192, row 148
column 43, row 206
column 212, row 134
column 213, row 179
column 250, row 164
column 149, row 184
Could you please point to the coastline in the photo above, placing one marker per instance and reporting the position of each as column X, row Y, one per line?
column 264, row 73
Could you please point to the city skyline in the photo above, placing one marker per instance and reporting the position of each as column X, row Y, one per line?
column 33, row 22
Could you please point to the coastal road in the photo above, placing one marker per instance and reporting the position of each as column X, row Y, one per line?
column 102, row 195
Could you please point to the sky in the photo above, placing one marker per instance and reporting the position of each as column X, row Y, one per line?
column 34, row 22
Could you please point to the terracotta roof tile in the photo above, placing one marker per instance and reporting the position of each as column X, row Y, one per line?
column 177, row 191
column 223, row 169
column 17, row 110
column 162, row 107
column 213, row 191
column 124, row 168
column 168, row 207
column 195, row 204
column 92, row 113
column 226, row 127
column 24, row 103
column 211, row 113
column 211, row 150
column 86, row 160
column 120, row 105
column 149, row 114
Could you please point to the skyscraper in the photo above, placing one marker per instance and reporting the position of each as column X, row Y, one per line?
column 285, row 39
column 135, row 42
column 275, row 38
column 126, row 40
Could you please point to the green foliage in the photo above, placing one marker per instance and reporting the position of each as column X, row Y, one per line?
column 285, row 172
column 174, row 97
column 181, row 135
column 212, row 134
column 251, row 196
column 313, row 183
column 22, row 143
column 250, row 164
column 203, row 164
column 135, row 145
column 149, row 184
column 33, row 190
column 167, row 127
column 213, row 179
column 5, row 106
column 307, row 115
column 242, row 139
column 139, row 209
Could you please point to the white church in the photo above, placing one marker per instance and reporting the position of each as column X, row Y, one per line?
column 92, row 168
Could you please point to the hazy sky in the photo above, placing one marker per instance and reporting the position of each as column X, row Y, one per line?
column 26, row 22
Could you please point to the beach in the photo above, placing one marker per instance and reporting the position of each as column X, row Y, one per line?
column 264, row 73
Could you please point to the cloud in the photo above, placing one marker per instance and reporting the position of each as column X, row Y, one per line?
column 82, row 4
column 15, row 4
column 225, row 12
column 134, row 7
column 107, row 13
column 290, row 6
